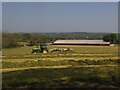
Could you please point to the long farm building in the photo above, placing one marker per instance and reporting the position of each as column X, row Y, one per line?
column 81, row 42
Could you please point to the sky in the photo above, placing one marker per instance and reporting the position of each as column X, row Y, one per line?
column 60, row 0
column 0, row 16
column 60, row 16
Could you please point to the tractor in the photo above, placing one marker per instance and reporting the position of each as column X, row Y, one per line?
column 42, row 49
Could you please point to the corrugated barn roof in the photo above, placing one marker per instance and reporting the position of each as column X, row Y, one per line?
column 80, row 42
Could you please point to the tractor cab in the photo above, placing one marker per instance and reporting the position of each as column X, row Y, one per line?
column 42, row 49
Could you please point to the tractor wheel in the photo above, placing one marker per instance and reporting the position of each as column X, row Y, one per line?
column 44, row 51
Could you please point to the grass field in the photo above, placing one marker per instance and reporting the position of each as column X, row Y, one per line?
column 84, row 67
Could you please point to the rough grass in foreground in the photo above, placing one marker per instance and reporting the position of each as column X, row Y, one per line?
column 62, row 77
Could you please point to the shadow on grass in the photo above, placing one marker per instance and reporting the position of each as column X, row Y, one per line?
column 82, row 77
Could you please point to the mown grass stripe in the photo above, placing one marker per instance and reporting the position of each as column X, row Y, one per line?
column 64, row 66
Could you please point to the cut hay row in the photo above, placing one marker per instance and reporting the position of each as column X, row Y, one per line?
column 65, row 66
column 67, row 54
column 61, row 58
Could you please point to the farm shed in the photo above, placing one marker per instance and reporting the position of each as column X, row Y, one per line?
column 81, row 42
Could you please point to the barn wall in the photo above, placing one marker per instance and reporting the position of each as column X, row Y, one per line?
column 81, row 44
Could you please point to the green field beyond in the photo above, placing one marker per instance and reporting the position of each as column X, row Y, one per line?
column 83, row 67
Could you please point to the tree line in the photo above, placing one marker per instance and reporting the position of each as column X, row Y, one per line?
column 112, row 38
column 10, row 40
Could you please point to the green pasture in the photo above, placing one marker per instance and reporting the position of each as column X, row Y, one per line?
column 85, row 66
column 80, row 51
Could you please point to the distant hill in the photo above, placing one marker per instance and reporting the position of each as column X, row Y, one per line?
column 75, row 35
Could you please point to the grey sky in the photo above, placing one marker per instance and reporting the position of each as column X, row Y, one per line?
column 60, row 17
column 59, row 0
column 0, row 16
